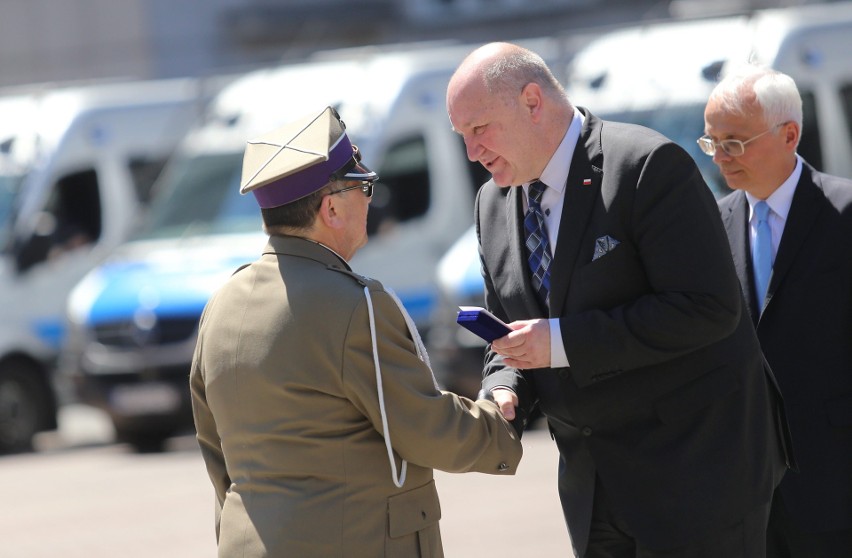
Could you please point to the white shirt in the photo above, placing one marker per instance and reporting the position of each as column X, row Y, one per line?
column 555, row 175
column 779, row 204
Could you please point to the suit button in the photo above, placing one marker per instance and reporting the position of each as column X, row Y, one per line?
column 587, row 431
column 502, row 467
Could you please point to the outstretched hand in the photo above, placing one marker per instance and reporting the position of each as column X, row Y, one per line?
column 507, row 400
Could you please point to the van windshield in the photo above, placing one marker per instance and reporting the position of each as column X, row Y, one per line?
column 201, row 196
column 9, row 185
column 682, row 124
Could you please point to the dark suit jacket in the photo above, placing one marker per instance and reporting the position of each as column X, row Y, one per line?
column 805, row 331
column 667, row 400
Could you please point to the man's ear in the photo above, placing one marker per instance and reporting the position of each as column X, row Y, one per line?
column 328, row 212
column 531, row 99
column 791, row 135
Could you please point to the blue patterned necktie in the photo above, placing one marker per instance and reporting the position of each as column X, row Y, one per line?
column 537, row 243
column 762, row 252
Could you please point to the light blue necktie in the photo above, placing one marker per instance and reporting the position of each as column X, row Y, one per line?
column 537, row 243
column 761, row 252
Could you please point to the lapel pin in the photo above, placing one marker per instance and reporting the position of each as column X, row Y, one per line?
column 587, row 182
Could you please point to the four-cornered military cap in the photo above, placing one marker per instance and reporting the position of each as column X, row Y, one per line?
column 298, row 159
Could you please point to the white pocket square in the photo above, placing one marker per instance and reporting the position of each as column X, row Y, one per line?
column 604, row 245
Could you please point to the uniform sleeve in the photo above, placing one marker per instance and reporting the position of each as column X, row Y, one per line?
column 428, row 427
column 206, row 432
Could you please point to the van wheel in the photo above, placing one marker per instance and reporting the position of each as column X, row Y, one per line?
column 21, row 406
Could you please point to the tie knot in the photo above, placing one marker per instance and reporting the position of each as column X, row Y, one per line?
column 537, row 189
column 761, row 209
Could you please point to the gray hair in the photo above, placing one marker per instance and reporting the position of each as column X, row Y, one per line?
column 776, row 93
column 506, row 76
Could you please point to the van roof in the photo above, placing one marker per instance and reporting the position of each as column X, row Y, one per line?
column 365, row 77
column 48, row 113
column 674, row 62
column 362, row 83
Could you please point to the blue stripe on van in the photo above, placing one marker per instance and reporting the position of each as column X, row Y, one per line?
column 419, row 303
column 181, row 292
column 176, row 292
column 51, row 331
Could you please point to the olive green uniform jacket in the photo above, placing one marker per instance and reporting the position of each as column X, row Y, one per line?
column 290, row 414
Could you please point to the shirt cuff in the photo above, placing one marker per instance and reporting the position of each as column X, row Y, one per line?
column 558, row 358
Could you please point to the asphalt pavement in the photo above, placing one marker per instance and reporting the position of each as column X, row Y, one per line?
column 81, row 495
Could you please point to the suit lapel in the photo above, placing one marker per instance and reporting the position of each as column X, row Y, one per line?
column 803, row 213
column 581, row 189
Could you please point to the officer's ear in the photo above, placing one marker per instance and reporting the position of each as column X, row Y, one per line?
column 329, row 212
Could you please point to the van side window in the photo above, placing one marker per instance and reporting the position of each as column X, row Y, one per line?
column 402, row 191
column 71, row 219
column 144, row 173
column 809, row 146
column 846, row 100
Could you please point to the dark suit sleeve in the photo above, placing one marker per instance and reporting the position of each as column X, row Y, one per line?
column 671, row 290
column 496, row 373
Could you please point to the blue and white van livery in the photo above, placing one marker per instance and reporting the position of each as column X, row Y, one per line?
column 76, row 167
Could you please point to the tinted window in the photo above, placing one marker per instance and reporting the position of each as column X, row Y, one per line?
column 402, row 191
column 144, row 173
column 846, row 100
column 9, row 185
column 71, row 219
column 201, row 195
column 809, row 146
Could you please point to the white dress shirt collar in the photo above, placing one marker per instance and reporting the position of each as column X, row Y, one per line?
column 781, row 199
column 779, row 202
column 555, row 174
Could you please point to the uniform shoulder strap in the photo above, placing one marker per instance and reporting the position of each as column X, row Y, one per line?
column 242, row 267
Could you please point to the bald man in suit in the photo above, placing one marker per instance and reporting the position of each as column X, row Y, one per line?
column 603, row 249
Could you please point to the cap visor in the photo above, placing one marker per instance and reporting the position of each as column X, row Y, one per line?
column 360, row 172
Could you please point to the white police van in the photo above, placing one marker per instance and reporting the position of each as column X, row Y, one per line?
column 660, row 75
column 133, row 319
column 76, row 168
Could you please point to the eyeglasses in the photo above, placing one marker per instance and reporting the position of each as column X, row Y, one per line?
column 365, row 186
column 732, row 147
